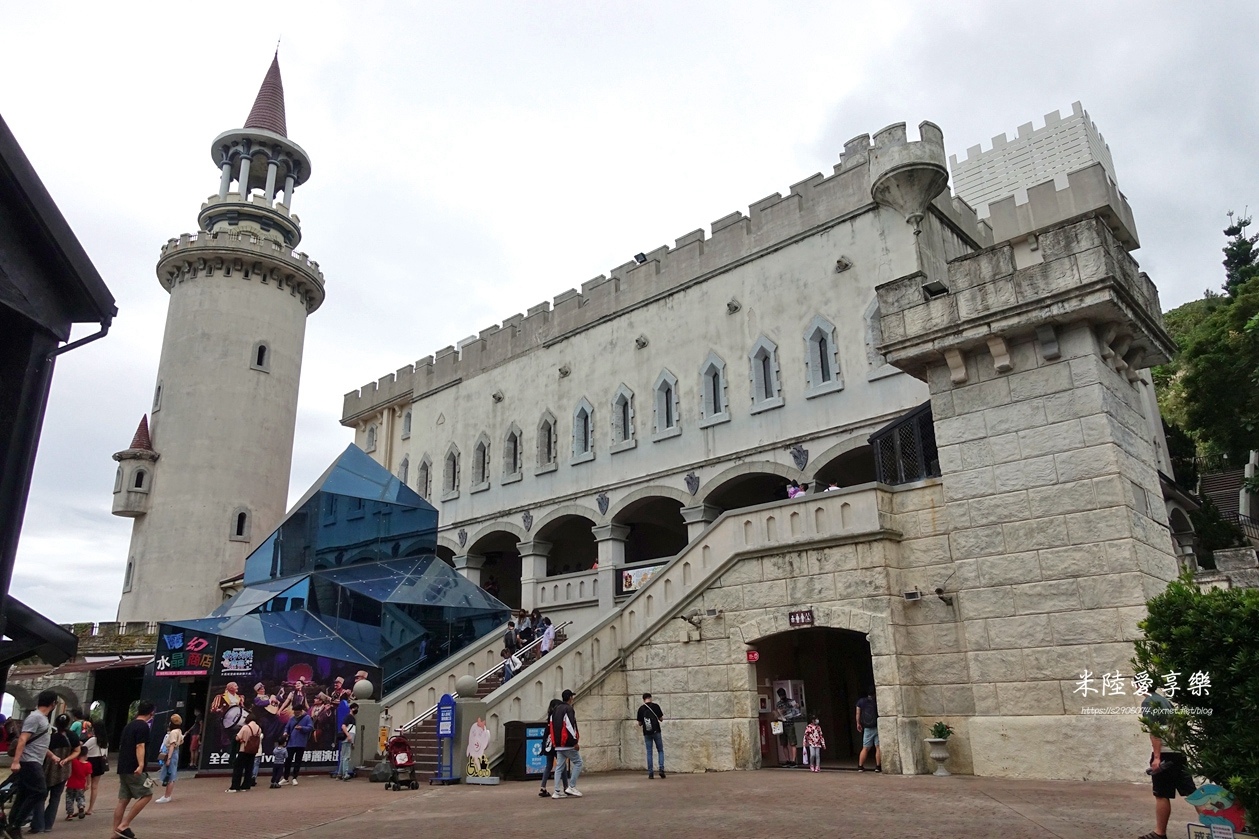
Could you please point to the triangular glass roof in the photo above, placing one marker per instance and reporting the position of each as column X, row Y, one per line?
column 356, row 513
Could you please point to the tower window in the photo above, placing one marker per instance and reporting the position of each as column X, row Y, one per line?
column 583, row 436
column 370, row 445
column 261, row 358
column 118, row 480
column 713, row 391
column 406, row 426
column 157, row 397
column 667, row 420
column 404, row 470
column 239, row 531
column 130, row 572
column 140, row 479
column 623, row 419
column 821, row 358
column 764, row 375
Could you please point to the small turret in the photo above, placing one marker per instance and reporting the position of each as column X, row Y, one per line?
column 135, row 473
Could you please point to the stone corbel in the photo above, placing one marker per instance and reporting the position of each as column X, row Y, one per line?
column 1133, row 360
column 1000, row 354
column 1120, row 349
column 1048, row 337
column 957, row 366
column 1107, row 337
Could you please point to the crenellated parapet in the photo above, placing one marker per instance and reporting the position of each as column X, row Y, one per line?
column 245, row 255
column 810, row 206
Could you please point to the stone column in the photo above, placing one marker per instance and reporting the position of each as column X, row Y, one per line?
column 243, row 178
column 1057, row 529
column 611, row 541
column 273, row 169
column 533, row 556
column 469, row 565
column 288, row 191
column 225, row 181
column 698, row 518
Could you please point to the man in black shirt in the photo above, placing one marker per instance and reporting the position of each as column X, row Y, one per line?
column 649, row 719
column 134, row 787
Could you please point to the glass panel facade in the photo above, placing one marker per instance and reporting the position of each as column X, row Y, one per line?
column 351, row 574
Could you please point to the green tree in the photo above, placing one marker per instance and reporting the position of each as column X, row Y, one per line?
column 1216, row 633
column 1241, row 260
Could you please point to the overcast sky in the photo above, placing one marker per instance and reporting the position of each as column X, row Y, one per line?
column 473, row 159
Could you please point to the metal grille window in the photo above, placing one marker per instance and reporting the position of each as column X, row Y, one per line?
column 905, row 449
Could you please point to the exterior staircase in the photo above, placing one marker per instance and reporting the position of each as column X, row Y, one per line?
column 1224, row 490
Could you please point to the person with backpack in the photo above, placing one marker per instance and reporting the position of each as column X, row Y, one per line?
column 649, row 718
column 29, row 751
column 345, row 743
column 565, row 736
column 868, row 726
column 548, row 751
column 250, row 739
column 168, row 758
column 297, row 733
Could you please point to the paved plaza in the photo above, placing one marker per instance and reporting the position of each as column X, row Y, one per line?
column 768, row 803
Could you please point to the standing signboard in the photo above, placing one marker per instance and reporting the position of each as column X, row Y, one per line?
column 445, row 742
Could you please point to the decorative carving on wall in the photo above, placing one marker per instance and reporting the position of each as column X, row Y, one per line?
column 602, row 500
column 800, row 455
column 692, row 483
column 527, row 518
column 463, row 538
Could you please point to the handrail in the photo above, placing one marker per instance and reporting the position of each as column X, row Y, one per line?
column 422, row 718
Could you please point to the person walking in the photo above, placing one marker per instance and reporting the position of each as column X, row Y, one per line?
column 789, row 712
column 250, row 739
column 279, row 756
column 565, row 736
column 649, row 719
column 508, row 670
column 76, row 787
column 548, row 637
column 298, row 731
column 814, row 742
column 345, row 736
column 548, row 749
column 168, row 757
column 511, row 639
column 28, row 765
column 1168, row 772
column 94, row 751
column 135, row 789
column 868, row 726
column 63, row 748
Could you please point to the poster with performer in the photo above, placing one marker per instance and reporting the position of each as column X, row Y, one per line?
column 275, row 685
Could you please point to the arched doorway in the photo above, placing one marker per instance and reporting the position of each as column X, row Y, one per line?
column 748, row 490
column 834, row 668
column 500, row 575
column 573, row 546
column 851, row 468
column 656, row 529
column 446, row 555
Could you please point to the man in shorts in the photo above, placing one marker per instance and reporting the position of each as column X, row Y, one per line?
column 135, row 789
column 1168, row 771
column 789, row 712
column 868, row 726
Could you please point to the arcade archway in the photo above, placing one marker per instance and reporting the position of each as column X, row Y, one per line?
column 834, row 668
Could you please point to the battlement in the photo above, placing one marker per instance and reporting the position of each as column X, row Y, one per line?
column 1084, row 191
column 1061, row 146
column 193, row 254
column 816, row 202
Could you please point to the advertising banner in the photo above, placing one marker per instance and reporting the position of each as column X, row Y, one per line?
column 276, row 685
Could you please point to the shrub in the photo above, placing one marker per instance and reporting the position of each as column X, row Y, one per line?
column 941, row 730
column 1214, row 632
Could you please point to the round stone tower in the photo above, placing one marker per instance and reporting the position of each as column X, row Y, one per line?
column 225, row 405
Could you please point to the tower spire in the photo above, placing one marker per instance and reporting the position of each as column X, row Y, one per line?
column 268, row 110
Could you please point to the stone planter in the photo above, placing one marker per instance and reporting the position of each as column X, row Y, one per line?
column 939, row 753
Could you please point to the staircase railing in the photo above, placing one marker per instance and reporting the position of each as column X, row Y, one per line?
column 415, row 723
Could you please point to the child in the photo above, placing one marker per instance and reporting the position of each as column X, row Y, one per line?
column 814, row 742
column 76, row 787
column 278, row 755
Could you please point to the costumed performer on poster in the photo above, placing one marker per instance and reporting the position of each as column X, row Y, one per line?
column 227, row 710
column 478, row 742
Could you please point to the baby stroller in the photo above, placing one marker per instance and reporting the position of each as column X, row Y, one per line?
column 398, row 753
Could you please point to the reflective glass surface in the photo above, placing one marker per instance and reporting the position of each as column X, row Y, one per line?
column 351, row 574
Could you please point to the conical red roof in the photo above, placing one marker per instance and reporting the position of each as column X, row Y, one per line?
column 268, row 110
column 141, row 440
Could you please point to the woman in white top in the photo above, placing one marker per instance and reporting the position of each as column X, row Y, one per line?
column 96, row 756
column 548, row 636
column 168, row 757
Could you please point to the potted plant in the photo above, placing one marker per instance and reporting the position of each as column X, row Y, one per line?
column 939, row 742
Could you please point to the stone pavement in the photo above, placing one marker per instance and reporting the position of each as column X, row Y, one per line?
column 769, row 803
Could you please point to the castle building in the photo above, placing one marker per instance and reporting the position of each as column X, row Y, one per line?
column 963, row 396
column 206, row 476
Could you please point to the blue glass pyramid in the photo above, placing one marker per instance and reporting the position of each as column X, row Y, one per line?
column 351, row 573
